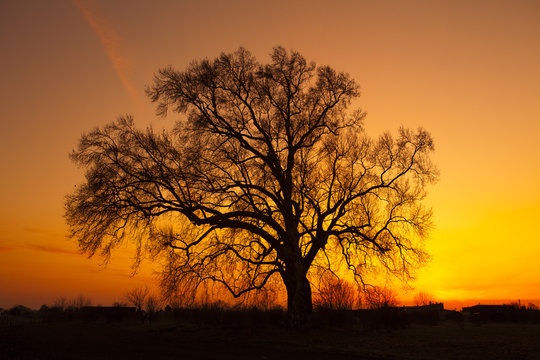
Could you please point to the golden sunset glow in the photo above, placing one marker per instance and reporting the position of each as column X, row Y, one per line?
column 467, row 71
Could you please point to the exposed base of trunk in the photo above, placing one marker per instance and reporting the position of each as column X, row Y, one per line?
column 299, row 304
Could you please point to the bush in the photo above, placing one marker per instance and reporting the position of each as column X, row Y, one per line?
column 335, row 294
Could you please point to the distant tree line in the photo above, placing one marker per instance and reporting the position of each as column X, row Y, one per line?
column 337, row 303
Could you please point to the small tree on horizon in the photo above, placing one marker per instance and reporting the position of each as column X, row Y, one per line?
column 79, row 302
column 379, row 297
column 268, row 174
column 137, row 297
column 423, row 298
column 60, row 303
column 336, row 294
column 151, row 306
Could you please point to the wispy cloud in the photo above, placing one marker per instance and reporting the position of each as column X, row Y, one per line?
column 50, row 249
column 5, row 248
column 43, row 232
column 111, row 43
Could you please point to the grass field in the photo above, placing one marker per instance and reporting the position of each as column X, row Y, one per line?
column 191, row 340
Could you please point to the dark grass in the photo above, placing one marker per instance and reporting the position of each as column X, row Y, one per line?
column 255, row 335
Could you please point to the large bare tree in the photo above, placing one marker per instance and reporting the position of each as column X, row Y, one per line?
column 268, row 174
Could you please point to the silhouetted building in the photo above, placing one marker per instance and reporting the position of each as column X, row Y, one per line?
column 435, row 310
column 492, row 312
column 429, row 307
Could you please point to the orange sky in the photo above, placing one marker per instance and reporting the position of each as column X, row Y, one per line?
column 468, row 71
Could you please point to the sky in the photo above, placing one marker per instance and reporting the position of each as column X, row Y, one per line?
column 467, row 71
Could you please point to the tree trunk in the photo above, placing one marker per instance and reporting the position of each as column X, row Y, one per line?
column 299, row 304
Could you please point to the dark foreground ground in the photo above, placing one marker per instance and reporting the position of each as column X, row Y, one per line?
column 177, row 340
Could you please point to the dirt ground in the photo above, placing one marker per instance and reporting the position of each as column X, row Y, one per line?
column 162, row 340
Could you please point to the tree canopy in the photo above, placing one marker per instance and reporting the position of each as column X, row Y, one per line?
column 269, row 173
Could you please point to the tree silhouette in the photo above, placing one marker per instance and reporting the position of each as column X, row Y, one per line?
column 138, row 297
column 377, row 297
column 423, row 298
column 268, row 174
column 336, row 294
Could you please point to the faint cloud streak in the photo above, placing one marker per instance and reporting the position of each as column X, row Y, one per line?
column 50, row 249
column 5, row 248
column 111, row 43
column 43, row 232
